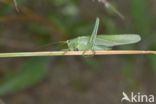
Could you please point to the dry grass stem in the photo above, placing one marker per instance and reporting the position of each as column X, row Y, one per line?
column 76, row 53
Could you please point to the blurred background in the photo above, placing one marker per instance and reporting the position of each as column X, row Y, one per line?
column 74, row 79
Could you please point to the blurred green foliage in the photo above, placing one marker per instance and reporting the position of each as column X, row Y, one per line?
column 31, row 72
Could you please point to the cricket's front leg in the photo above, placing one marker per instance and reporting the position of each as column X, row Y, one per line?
column 65, row 51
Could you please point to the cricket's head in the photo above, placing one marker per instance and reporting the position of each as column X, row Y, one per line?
column 72, row 44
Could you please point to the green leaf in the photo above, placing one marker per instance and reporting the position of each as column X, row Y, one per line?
column 31, row 73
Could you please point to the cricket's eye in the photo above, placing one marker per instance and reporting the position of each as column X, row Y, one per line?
column 68, row 41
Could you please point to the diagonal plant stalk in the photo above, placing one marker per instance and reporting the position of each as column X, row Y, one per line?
column 16, row 6
column 111, row 8
column 75, row 53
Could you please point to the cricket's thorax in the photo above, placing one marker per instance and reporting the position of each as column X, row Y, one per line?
column 77, row 44
column 81, row 44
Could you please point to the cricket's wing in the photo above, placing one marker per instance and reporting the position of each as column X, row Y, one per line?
column 115, row 40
